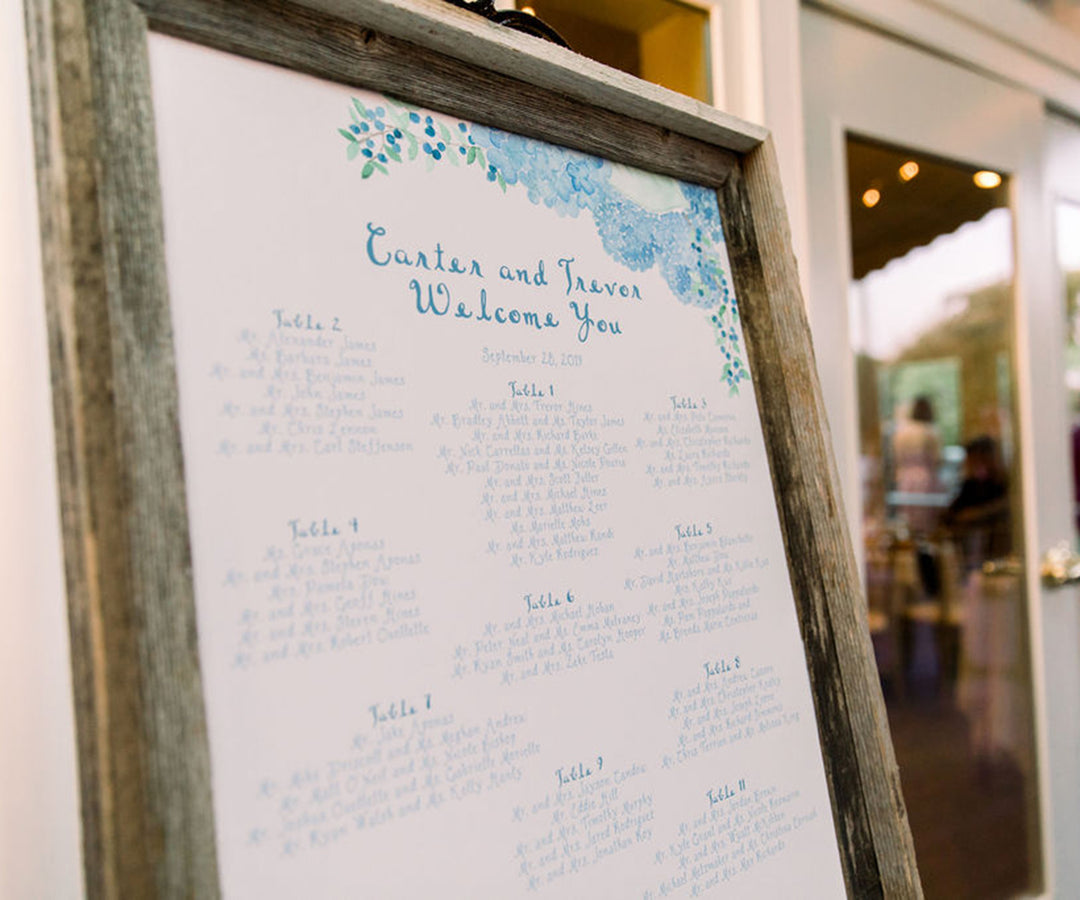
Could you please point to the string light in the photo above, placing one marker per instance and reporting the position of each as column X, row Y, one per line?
column 986, row 179
column 871, row 198
column 909, row 170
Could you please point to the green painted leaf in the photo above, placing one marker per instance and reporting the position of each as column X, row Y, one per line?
column 380, row 167
column 353, row 150
column 501, row 181
column 445, row 132
column 345, row 133
column 470, row 157
column 393, row 153
column 369, row 167
column 360, row 108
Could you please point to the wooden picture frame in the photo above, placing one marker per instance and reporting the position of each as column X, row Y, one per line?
column 148, row 821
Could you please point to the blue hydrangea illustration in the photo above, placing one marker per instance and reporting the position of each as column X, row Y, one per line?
column 393, row 133
column 685, row 242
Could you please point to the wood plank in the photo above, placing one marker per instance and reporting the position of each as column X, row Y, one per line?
column 459, row 34
column 54, row 44
column 872, row 828
column 312, row 42
column 144, row 757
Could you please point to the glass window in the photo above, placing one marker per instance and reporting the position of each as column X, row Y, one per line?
column 662, row 41
column 932, row 319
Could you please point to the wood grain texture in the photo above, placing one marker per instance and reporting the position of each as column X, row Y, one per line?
column 459, row 34
column 352, row 53
column 144, row 757
column 54, row 45
column 871, row 821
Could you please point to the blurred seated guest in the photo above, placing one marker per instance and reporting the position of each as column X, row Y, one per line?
column 990, row 688
column 979, row 516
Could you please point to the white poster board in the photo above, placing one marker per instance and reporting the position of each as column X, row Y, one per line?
column 491, row 592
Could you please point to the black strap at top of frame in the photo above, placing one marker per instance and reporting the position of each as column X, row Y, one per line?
column 512, row 18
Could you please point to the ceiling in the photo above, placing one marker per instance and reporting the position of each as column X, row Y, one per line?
column 938, row 200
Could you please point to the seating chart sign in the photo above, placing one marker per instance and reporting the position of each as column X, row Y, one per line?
column 492, row 597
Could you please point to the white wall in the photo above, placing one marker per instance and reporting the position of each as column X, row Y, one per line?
column 39, row 817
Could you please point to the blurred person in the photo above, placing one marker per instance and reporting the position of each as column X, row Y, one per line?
column 979, row 515
column 917, row 458
column 989, row 690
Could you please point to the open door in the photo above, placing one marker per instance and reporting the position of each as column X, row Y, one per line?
column 937, row 319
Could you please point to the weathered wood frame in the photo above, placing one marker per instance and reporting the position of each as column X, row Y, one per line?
column 148, row 821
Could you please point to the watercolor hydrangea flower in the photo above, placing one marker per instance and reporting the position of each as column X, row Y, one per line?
column 394, row 133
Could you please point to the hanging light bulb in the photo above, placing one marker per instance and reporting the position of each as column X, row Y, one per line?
column 986, row 179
